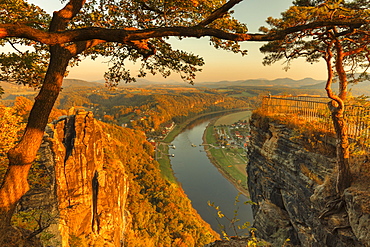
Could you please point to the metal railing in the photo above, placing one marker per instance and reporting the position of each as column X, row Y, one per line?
column 358, row 121
column 315, row 109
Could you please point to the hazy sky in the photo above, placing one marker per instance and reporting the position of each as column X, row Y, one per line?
column 219, row 65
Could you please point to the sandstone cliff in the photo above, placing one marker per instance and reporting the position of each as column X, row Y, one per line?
column 96, row 184
column 83, row 197
column 290, row 177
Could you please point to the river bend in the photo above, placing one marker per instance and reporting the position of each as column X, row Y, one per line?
column 202, row 181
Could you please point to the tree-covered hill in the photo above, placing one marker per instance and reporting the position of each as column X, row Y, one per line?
column 148, row 109
column 161, row 214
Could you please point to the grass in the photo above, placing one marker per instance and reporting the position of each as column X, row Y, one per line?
column 312, row 135
column 165, row 164
column 234, row 117
column 228, row 166
column 176, row 130
column 227, row 160
column 209, row 136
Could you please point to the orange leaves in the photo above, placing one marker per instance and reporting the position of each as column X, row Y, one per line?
column 195, row 3
column 10, row 126
column 160, row 215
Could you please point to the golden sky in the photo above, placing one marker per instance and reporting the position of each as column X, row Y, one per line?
column 219, row 65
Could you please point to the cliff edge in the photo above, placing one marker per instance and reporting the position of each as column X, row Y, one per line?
column 290, row 176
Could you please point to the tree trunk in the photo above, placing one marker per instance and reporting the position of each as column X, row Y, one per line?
column 336, row 107
column 15, row 184
column 344, row 178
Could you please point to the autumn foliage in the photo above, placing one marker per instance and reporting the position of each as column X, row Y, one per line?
column 159, row 211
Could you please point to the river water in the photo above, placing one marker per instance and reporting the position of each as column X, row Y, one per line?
column 202, row 182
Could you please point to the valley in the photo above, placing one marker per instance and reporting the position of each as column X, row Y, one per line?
column 139, row 126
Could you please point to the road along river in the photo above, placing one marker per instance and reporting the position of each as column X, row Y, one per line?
column 202, row 181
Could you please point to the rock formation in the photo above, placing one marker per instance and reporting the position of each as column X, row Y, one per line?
column 96, row 184
column 84, row 197
column 290, row 176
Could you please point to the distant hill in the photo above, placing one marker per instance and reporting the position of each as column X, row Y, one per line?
column 362, row 88
column 67, row 83
column 140, row 82
column 11, row 90
column 281, row 82
column 320, row 85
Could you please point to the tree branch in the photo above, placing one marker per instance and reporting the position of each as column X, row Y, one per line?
column 355, row 51
column 147, row 7
column 318, row 24
column 79, row 47
column 218, row 13
column 65, row 15
column 118, row 35
column 125, row 36
column 15, row 48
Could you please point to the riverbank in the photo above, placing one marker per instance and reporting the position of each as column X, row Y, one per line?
column 224, row 169
column 229, row 171
column 164, row 160
column 204, row 183
column 180, row 127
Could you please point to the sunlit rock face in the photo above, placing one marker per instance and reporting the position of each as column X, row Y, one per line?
column 291, row 179
column 87, row 200
column 91, row 192
column 97, row 184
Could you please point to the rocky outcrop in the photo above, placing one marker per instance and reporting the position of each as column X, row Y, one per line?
column 91, row 192
column 96, row 184
column 85, row 195
column 290, row 177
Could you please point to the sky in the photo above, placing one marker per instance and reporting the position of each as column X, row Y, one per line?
column 219, row 65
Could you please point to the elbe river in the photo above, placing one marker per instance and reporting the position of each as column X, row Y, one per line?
column 202, row 182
